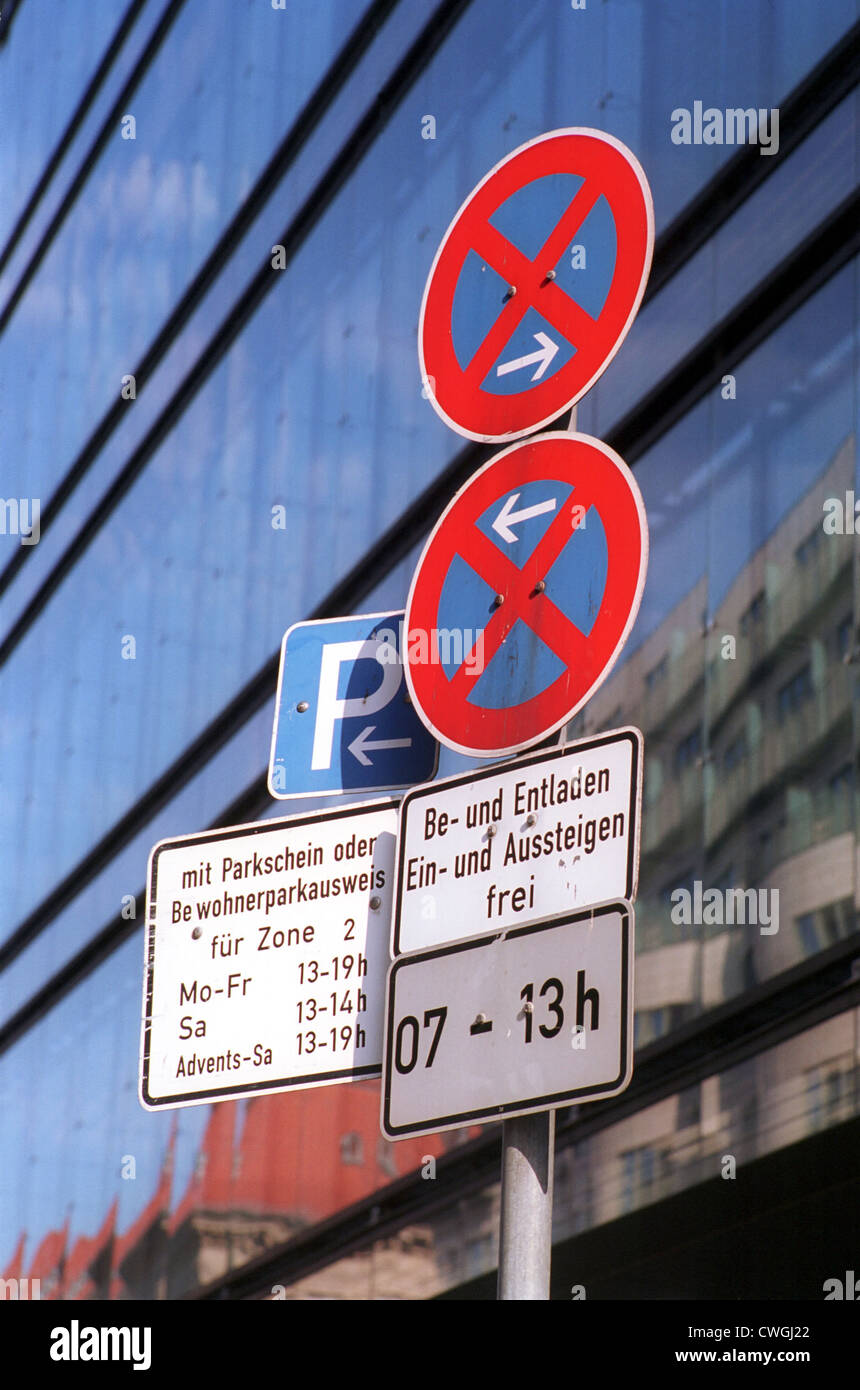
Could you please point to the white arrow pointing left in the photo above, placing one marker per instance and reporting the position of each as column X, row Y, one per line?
column 361, row 745
column 544, row 355
column 508, row 517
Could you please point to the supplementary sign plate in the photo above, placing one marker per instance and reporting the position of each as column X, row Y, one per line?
column 498, row 848
column 505, row 1025
column 266, row 953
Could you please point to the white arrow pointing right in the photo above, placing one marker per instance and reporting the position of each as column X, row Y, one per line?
column 544, row 355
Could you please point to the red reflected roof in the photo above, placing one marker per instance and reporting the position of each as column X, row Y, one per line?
column 303, row 1154
column 310, row 1153
column 47, row 1264
column 86, row 1251
column 16, row 1264
column 210, row 1185
column 157, row 1206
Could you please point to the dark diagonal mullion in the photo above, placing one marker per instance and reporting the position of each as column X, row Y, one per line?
column 108, row 128
column 292, row 238
column 799, row 275
column 314, row 109
column 819, row 93
column 78, row 115
column 807, row 105
column 7, row 14
column 791, row 283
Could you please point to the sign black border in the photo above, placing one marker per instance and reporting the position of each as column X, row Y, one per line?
column 253, row 1088
column 628, row 732
column 513, row 1108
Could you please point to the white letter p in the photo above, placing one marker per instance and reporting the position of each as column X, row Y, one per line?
column 330, row 708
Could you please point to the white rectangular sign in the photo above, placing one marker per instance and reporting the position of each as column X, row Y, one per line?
column 504, row 1025
column 266, row 956
column 518, row 843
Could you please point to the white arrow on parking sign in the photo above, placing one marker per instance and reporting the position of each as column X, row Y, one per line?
column 361, row 746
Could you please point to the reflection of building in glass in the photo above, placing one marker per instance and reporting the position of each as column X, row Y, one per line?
column 751, row 793
column 276, row 461
column 758, row 794
column 246, row 1194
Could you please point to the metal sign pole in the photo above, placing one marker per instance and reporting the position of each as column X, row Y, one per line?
column 525, row 1231
column 528, row 1169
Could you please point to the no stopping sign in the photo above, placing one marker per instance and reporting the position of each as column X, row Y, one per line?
column 535, row 284
column 525, row 593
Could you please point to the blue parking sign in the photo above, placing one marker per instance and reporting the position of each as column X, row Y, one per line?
column 344, row 720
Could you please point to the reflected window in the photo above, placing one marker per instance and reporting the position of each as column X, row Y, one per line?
column 351, row 1149
column 794, row 694
column 725, row 880
column 829, row 1094
column 753, row 613
column 688, row 750
column 689, row 1107
column 844, row 634
column 749, row 1116
column 651, row 1024
column 639, row 1176
column 807, row 548
column 685, row 881
column 385, row 1158
column 735, row 753
column 657, row 673
column 826, row 925
column 842, row 782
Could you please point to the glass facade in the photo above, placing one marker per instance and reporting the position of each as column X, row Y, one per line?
column 167, row 379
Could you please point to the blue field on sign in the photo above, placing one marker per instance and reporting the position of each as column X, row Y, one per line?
column 524, row 665
column 344, row 721
column 537, row 349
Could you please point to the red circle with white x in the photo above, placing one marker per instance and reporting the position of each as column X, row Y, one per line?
column 606, row 168
column 599, row 479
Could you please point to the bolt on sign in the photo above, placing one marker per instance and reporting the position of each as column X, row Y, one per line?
column 266, row 956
